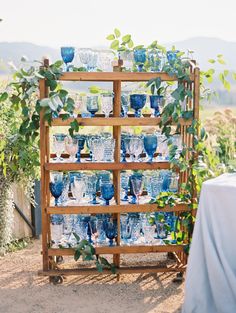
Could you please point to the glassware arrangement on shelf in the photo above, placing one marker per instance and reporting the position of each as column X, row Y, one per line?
column 101, row 230
column 140, row 59
column 107, row 103
column 148, row 147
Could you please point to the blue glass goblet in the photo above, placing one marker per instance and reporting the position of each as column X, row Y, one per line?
column 124, row 136
column 156, row 102
column 81, row 142
column 111, row 231
column 140, row 58
column 92, row 105
column 56, row 185
column 172, row 56
column 107, row 190
column 137, row 102
column 150, row 145
column 67, row 54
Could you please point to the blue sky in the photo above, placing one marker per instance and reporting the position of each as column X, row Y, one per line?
column 87, row 22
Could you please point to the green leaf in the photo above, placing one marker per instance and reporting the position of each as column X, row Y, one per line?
column 211, row 61
column 234, row 76
column 99, row 267
column 221, row 61
column 126, row 38
column 115, row 44
column 130, row 44
column 74, row 125
column 3, row 96
column 153, row 89
column 117, row 32
column 77, row 237
column 227, row 85
column 110, row 37
column 77, row 255
column 226, row 73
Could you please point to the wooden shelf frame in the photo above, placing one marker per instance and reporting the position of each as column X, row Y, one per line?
column 116, row 167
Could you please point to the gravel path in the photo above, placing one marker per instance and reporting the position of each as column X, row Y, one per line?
column 22, row 291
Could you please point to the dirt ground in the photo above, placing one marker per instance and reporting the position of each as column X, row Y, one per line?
column 23, row 291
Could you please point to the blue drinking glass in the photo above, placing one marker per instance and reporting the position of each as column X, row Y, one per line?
column 140, row 58
column 150, row 145
column 126, row 229
column 56, row 185
column 137, row 102
column 107, row 190
column 92, row 104
column 154, row 60
column 111, row 231
column 67, row 54
column 166, row 176
column 124, row 184
column 172, row 56
column 124, row 137
column 156, row 102
column 102, row 177
column 81, row 142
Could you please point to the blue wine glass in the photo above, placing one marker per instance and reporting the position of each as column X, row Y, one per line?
column 137, row 102
column 124, row 136
column 56, row 185
column 150, row 145
column 156, row 102
column 67, row 54
column 81, row 142
column 92, row 105
column 107, row 190
column 140, row 58
column 172, row 56
column 111, row 231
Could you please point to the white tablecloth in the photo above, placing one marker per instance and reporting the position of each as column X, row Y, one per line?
column 211, row 274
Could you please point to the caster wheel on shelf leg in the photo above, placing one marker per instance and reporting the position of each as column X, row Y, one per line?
column 59, row 259
column 179, row 278
column 56, row 280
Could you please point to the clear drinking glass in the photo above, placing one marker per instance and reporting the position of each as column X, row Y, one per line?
column 101, row 233
column 105, row 59
column 71, row 147
column 78, row 188
column 148, row 232
column 59, row 146
column 137, row 147
column 80, row 147
column 137, row 186
column 107, row 104
column 109, row 147
column 126, row 229
column 124, row 104
column 97, row 148
column 92, row 188
column 85, row 55
column 56, row 229
column 124, row 181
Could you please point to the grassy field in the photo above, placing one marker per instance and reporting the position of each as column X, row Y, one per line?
column 209, row 111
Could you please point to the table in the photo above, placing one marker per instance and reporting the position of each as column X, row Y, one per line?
column 211, row 275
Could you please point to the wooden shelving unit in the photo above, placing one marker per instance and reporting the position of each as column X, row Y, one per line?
column 116, row 167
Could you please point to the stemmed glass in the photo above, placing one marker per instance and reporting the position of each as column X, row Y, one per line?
column 111, row 231
column 100, row 228
column 137, row 186
column 156, row 102
column 67, row 54
column 107, row 104
column 137, row 147
column 107, row 190
column 97, row 148
column 92, row 187
column 85, row 55
column 140, row 58
column 154, row 60
column 59, row 146
column 71, row 146
column 80, row 146
column 124, row 179
column 92, row 104
column 124, row 104
column 105, row 61
column 126, row 229
column 56, row 185
column 109, row 146
column 78, row 188
column 172, row 57
column 150, row 145
column 137, row 102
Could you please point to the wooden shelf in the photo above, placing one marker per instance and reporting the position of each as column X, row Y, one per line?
column 122, row 249
column 115, row 121
column 121, row 270
column 117, row 76
column 106, row 166
column 122, row 208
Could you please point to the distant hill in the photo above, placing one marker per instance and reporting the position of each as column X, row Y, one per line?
column 204, row 48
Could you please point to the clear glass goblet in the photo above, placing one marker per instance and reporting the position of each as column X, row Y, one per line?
column 71, row 147
column 111, row 231
column 78, row 188
column 107, row 104
column 124, row 180
column 137, row 186
column 59, row 146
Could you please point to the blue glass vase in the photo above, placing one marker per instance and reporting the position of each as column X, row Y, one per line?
column 137, row 102
column 140, row 58
column 81, row 142
column 107, row 190
column 150, row 145
column 67, row 54
column 156, row 102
